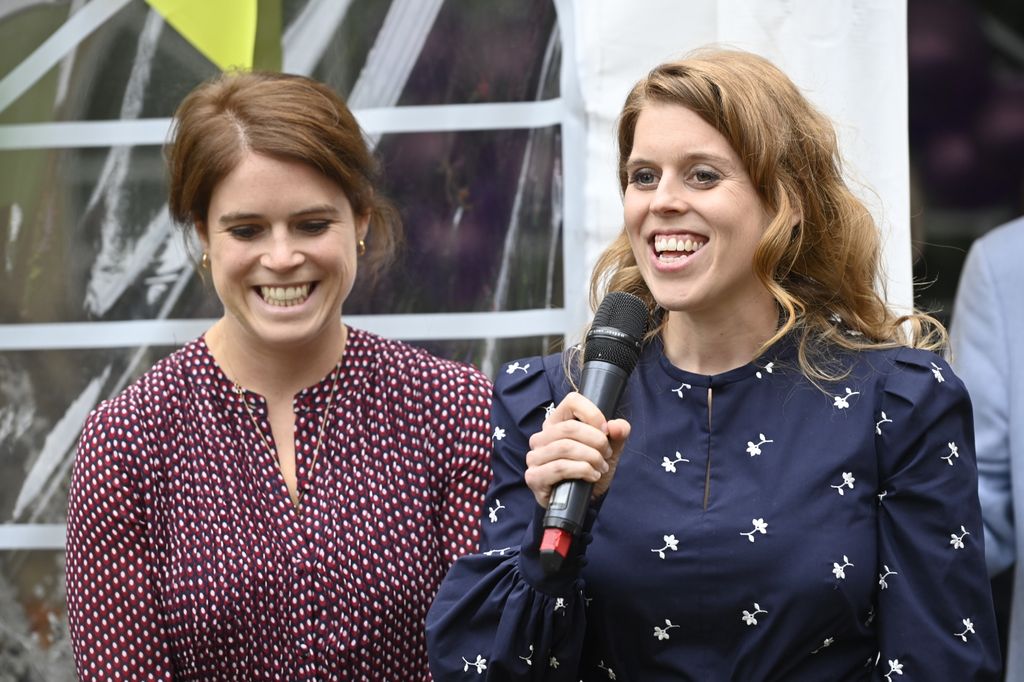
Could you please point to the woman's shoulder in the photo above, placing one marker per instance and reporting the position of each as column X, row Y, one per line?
column 413, row 367
column 913, row 374
column 151, row 392
column 527, row 384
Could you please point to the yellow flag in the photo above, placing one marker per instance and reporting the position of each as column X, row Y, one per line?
column 224, row 31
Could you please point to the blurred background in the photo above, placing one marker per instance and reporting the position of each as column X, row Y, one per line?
column 85, row 236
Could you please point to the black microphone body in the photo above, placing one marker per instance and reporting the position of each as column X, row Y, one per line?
column 611, row 352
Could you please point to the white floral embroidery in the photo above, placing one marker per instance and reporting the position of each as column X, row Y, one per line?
column 848, row 480
column 840, row 571
column 750, row 618
column 968, row 627
column 528, row 658
column 560, row 604
column 958, row 540
column 499, row 433
column 894, row 667
column 825, row 644
column 492, row 512
column 755, row 448
column 553, row 662
column 607, row 669
column 670, row 543
column 511, row 369
column 501, row 551
column 669, row 465
column 843, row 401
column 679, row 391
column 548, row 409
column 759, row 527
column 480, row 664
column 768, row 368
column 937, row 372
column 882, row 576
column 878, row 424
column 854, row 332
column 834, row 317
column 662, row 633
column 954, row 451
column 881, row 495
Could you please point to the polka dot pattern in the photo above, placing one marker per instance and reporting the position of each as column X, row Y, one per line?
column 187, row 560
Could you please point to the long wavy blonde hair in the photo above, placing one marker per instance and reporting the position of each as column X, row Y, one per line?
column 823, row 265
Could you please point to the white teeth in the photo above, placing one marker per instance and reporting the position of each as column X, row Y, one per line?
column 663, row 243
column 285, row 296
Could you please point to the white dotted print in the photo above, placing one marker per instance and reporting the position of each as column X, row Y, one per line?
column 186, row 559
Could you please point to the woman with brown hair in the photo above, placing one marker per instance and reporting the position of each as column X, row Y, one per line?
column 281, row 497
column 789, row 491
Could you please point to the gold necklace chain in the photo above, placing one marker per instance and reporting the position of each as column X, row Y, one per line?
column 319, row 436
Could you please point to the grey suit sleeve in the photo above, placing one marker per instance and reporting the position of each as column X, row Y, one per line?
column 981, row 348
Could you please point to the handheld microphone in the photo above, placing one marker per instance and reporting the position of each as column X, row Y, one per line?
column 611, row 351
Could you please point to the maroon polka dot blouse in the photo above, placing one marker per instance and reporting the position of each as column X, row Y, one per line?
column 188, row 561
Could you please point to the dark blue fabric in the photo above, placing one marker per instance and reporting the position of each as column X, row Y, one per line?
column 856, row 483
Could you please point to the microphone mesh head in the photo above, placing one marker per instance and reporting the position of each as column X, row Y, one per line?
column 619, row 315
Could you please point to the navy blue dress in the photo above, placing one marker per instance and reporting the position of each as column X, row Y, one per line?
column 758, row 527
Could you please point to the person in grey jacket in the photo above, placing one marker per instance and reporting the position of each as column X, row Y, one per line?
column 988, row 354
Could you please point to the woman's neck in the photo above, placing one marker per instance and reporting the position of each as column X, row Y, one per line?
column 711, row 343
column 274, row 371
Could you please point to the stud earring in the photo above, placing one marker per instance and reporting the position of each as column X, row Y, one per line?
column 360, row 248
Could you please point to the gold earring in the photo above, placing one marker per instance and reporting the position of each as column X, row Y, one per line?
column 361, row 248
column 204, row 262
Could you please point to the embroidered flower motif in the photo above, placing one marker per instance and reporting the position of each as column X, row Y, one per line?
column 515, row 366
column 529, row 657
column 937, row 372
column 607, row 669
column 882, row 576
column 755, row 448
column 750, row 618
column 954, row 451
column 895, row 667
column 560, row 604
column 662, row 633
column 669, row 465
column 881, row 495
column 767, row 368
column 500, row 552
column 759, row 527
column 854, row 332
column 670, row 543
column 968, row 628
column 958, row 540
column 843, row 401
column 480, row 664
column 840, row 571
column 553, row 662
column 848, row 480
column 499, row 433
column 824, row 645
column 878, row 424
column 679, row 391
column 548, row 409
column 492, row 512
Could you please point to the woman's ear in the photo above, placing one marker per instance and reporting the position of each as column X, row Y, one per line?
column 202, row 233
column 362, row 226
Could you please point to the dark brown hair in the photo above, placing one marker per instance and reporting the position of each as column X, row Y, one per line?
column 279, row 115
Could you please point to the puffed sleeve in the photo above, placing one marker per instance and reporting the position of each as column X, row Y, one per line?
column 468, row 473
column 497, row 613
column 935, row 619
column 981, row 354
column 112, row 602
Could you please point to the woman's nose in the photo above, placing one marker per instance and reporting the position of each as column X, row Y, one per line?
column 282, row 253
column 669, row 197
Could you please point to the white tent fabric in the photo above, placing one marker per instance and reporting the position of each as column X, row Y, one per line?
column 848, row 58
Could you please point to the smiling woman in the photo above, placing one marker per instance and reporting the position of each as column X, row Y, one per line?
column 789, row 491
column 280, row 498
